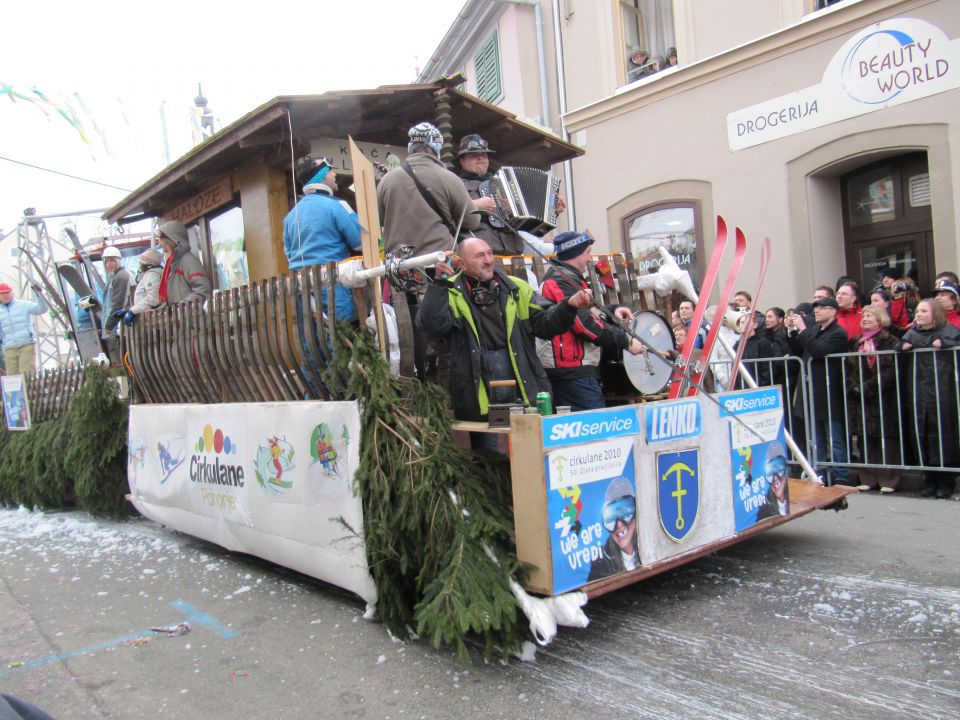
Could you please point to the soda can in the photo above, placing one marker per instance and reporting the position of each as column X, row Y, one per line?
column 544, row 403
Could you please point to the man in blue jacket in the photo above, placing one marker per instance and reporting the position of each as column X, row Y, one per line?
column 17, row 330
column 321, row 228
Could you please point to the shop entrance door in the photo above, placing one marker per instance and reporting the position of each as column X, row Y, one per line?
column 887, row 221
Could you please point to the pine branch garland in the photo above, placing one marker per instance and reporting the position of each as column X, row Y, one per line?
column 431, row 510
column 79, row 458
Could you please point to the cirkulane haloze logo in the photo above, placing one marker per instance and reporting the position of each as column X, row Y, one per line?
column 223, row 470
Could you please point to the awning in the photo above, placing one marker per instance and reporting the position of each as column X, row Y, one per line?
column 382, row 115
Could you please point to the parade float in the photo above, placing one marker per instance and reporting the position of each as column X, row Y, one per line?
column 369, row 487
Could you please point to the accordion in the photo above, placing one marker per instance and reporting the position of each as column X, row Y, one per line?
column 526, row 198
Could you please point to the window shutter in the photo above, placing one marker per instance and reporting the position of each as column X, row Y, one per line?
column 920, row 190
column 487, row 61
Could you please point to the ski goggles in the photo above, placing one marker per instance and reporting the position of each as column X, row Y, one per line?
column 474, row 144
column 775, row 467
column 623, row 509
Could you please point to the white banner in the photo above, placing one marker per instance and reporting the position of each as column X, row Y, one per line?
column 274, row 480
column 893, row 62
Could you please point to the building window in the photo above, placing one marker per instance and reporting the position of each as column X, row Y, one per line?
column 672, row 226
column 648, row 37
column 228, row 249
column 871, row 197
column 821, row 4
column 487, row 61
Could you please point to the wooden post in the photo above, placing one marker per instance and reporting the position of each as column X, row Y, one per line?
column 365, row 189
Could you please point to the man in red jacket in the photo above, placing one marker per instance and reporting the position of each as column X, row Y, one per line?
column 572, row 359
column 848, row 315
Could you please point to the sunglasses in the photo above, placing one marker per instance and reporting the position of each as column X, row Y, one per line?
column 622, row 509
column 474, row 145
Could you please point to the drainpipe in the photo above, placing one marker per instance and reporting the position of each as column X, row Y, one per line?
column 542, row 61
column 562, row 94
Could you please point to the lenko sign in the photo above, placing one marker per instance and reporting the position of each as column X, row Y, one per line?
column 890, row 63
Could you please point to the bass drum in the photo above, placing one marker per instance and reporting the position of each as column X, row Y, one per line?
column 630, row 375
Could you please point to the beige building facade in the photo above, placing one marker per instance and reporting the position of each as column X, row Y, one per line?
column 834, row 131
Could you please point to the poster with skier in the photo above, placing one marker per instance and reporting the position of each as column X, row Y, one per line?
column 758, row 455
column 592, row 508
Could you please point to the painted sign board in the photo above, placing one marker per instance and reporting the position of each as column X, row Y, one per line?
column 274, row 480
column 203, row 202
column 890, row 63
column 16, row 404
column 337, row 152
column 758, row 455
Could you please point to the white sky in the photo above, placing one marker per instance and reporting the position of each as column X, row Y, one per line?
column 126, row 59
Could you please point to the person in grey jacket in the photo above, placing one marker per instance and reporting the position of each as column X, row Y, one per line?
column 184, row 278
column 406, row 214
column 16, row 330
column 115, row 302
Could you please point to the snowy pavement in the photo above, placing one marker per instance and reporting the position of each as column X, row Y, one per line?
column 837, row 615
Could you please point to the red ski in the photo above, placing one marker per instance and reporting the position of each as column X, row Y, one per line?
column 764, row 264
column 740, row 251
column 680, row 378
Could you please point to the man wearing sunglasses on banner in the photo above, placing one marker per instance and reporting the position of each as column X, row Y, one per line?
column 619, row 516
column 775, row 470
column 490, row 321
column 474, row 161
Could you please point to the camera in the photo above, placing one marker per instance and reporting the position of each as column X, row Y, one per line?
column 900, row 286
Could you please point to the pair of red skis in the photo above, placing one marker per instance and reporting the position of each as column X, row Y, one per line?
column 687, row 380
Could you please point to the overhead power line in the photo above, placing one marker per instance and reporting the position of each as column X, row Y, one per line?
column 57, row 172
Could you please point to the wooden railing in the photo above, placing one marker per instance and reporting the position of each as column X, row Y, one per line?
column 51, row 391
column 243, row 345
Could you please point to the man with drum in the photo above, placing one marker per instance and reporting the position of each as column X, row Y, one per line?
column 474, row 161
column 572, row 359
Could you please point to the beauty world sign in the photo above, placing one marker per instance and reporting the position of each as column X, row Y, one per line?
column 890, row 63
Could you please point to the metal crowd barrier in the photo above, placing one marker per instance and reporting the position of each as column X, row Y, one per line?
column 790, row 374
column 894, row 427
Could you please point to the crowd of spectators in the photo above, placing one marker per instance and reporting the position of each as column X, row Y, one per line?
column 881, row 370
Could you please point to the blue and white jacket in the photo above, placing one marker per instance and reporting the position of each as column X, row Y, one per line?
column 321, row 229
column 15, row 326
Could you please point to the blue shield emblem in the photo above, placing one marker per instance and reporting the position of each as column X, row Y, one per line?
column 678, row 492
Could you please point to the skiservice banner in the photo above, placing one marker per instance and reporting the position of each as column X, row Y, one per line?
column 591, row 426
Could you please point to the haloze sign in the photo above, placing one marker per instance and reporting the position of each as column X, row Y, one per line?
column 890, row 63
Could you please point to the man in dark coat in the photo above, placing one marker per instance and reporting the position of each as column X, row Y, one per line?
column 490, row 321
column 824, row 338
column 474, row 161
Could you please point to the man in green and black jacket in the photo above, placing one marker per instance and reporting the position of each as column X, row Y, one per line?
column 490, row 322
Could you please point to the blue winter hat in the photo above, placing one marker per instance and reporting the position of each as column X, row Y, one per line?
column 569, row 244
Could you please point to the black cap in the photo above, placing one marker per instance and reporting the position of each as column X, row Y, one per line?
column 826, row 302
